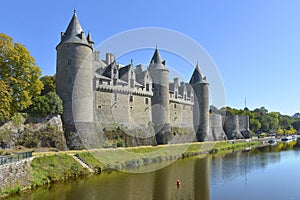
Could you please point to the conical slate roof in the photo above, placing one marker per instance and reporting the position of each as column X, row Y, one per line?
column 156, row 61
column 156, row 58
column 74, row 32
column 197, row 76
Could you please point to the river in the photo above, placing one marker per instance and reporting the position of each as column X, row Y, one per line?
column 271, row 172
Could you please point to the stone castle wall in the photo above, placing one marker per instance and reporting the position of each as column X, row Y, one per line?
column 216, row 131
column 181, row 115
column 232, row 127
column 140, row 110
column 122, row 108
column 244, row 126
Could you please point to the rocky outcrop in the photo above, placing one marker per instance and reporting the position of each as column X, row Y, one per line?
column 33, row 132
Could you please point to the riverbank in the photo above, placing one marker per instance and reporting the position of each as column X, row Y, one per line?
column 50, row 167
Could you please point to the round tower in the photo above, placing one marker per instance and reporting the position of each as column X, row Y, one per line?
column 74, row 81
column 160, row 99
column 201, row 104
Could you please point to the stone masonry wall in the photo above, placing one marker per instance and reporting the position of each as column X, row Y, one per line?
column 111, row 108
column 181, row 115
column 231, row 127
column 244, row 126
column 15, row 175
column 216, row 131
column 140, row 110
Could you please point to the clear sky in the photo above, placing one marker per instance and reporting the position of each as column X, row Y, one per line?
column 254, row 44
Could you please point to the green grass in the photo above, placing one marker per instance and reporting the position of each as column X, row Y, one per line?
column 48, row 169
column 120, row 158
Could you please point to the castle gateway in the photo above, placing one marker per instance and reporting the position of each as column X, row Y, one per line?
column 103, row 98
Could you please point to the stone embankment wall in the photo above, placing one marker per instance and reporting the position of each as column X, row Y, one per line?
column 15, row 176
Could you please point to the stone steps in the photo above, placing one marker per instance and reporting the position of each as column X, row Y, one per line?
column 83, row 164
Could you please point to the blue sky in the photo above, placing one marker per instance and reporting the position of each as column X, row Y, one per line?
column 254, row 44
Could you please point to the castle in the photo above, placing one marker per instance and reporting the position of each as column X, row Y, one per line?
column 98, row 94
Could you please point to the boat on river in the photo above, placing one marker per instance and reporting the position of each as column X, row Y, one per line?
column 289, row 138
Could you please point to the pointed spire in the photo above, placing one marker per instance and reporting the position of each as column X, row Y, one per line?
column 156, row 58
column 157, row 62
column 197, row 76
column 74, row 32
column 89, row 38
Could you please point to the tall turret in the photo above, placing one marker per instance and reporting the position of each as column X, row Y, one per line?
column 201, row 104
column 74, row 76
column 160, row 100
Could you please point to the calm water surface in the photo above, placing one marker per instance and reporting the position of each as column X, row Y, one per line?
column 261, row 174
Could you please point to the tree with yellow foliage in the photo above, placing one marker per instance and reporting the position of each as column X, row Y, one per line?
column 19, row 76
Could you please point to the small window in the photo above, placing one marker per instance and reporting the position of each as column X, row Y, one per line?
column 175, row 105
column 130, row 98
column 99, row 106
column 115, row 71
column 146, row 101
column 131, row 83
column 116, row 97
column 147, row 87
column 69, row 61
column 114, row 81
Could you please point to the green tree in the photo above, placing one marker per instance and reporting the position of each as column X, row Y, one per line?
column 55, row 103
column 5, row 101
column 19, row 72
column 48, row 104
column 49, row 83
column 285, row 121
column 255, row 125
column 296, row 125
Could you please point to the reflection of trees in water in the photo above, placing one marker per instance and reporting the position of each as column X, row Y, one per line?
column 227, row 167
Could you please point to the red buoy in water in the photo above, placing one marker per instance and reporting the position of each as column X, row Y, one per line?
column 178, row 183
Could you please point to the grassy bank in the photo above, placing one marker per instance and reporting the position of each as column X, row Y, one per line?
column 55, row 168
column 122, row 158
